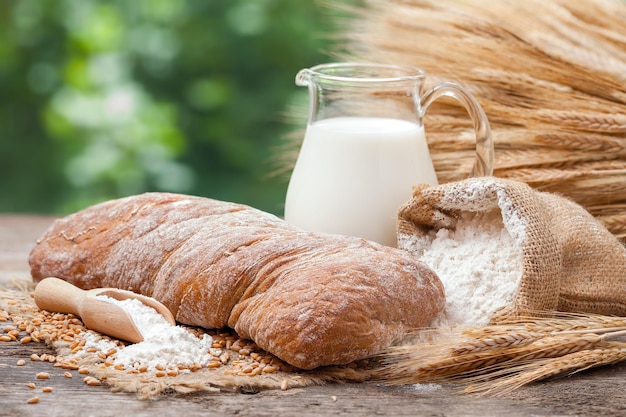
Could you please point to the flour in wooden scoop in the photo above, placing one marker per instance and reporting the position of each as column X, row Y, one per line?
column 163, row 344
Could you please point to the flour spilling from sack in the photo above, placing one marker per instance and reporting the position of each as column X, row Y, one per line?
column 163, row 344
column 480, row 265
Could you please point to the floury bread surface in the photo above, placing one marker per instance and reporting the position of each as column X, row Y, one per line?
column 311, row 299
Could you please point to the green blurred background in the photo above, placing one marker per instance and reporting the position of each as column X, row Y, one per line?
column 106, row 98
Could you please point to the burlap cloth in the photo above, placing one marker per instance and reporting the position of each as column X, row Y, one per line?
column 571, row 263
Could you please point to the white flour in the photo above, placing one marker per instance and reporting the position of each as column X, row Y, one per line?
column 480, row 266
column 163, row 343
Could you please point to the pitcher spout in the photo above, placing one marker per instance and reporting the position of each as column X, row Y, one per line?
column 303, row 77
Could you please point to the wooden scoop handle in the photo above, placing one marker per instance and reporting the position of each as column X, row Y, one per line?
column 54, row 294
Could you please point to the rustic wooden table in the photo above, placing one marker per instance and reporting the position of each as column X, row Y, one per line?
column 599, row 392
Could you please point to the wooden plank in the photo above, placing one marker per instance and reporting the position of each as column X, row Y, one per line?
column 595, row 393
column 599, row 392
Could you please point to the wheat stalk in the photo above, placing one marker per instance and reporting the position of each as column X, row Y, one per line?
column 509, row 380
column 553, row 322
column 499, row 340
column 505, row 356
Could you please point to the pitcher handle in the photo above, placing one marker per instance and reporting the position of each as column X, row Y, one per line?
column 483, row 165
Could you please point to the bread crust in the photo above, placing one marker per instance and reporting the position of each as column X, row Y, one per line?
column 311, row 299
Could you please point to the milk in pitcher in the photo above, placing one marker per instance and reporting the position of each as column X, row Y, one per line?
column 353, row 173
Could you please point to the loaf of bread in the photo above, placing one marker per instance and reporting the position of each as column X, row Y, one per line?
column 311, row 299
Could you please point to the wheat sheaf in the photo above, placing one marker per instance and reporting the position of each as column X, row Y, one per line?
column 551, row 76
column 498, row 359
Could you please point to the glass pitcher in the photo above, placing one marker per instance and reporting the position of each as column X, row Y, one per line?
column 364, row 147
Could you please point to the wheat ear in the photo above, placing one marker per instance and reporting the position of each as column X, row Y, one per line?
column 514, row 378
column 501, row 351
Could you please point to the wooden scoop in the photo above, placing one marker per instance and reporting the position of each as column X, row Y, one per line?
column 54, row 294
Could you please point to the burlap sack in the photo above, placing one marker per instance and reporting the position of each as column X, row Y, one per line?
column 571, row 263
